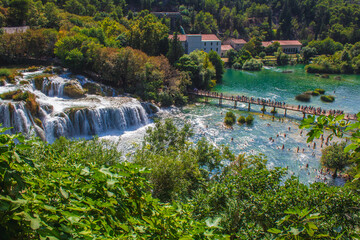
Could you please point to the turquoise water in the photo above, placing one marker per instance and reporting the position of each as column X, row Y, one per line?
column 207, row 119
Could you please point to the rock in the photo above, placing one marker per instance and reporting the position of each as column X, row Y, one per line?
column 337, row 77
column 92, row 88
column 325, row 76
column 73, row 89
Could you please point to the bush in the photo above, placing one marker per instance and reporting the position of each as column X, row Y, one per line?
column 327, row 98
column 252, row 65
column 315, row 93
column 4, row 72
column 241, row 120
column 320, row 90
column 249, row 119
column 230, row 119
column 273, row 111
column 317, row 68
column 303, row 97
column 262, row 55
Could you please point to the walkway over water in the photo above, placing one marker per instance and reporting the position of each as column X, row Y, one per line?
column 268, row 103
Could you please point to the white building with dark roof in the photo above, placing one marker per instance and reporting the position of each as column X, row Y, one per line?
column 204, row 42
column 288, row 46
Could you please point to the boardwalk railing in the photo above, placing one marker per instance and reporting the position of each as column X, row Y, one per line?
column 268, row 103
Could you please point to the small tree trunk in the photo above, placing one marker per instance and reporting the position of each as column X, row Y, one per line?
column 335, row 173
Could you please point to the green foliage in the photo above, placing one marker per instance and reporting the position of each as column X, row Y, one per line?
column 327, row 98
column 241, row 120
column 327, row 46
column 4, row 72
column 337, row 127
column 252, row 65
column 229, row 119
column 199, row 67
column 320, row 90
column 249, row 119
column 334, row 157
column 298, row 224
column 315, row 93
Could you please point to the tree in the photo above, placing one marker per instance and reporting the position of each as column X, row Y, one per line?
column 334, row 157
column 307, row 53
column 19, row 12
column 204, row 23
column 337, row 127
column 218, row 64
column 175, row 50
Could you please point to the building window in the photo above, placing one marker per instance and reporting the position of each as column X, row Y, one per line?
column 211, row 49
column 217, row 43
column 217, row 49
column 204, row 49
column 211, row 44
column 204, row 44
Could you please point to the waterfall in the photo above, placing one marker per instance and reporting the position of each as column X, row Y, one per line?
column 72, row 118
column 83, row 122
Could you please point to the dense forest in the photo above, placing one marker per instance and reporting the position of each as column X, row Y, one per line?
column 171, row 189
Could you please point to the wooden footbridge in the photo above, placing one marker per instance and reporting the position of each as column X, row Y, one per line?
column 275, row 105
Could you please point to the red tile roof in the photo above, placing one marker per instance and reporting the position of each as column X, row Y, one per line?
column 204, row 37
column 226, row 47
column 182, row 38
column 283, row 43
column 238, row 41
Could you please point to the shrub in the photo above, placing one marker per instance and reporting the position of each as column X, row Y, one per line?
column 249, row 119
column 92, row 88
column 320, row 90
column 262, row 55
column 327, row 98
column 252, row 65
column 241, row 120
column 273, row 111
column 303, row 97
column 4, row 72
column 230, row 119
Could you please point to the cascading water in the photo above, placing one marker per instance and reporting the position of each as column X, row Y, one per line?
column 60, row 116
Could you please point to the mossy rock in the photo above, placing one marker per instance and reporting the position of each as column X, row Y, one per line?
column 32, row 69
column 24, row 82
column 73, row 89
column 48, row 70
column 2, row 82
column 303, row 97
column 38, row 122
column 320, row 90
column 315, row 93
column 92, row 88
column 308, row 92
column 11, row 95
column 241, row 120
column 71, row 111
column 317, row 75
column 11, row 78
column 325, row 76
column 327, row 98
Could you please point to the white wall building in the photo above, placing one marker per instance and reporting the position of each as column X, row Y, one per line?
column 205, row 42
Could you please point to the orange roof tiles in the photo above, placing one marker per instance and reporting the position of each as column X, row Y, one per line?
column 238, row 41
column 226, row 47
column 204, row 37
